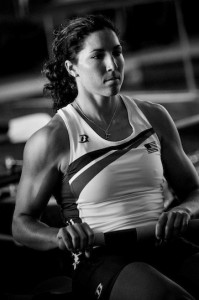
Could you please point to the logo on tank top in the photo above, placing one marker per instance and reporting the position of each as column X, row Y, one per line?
column 83, row 138
column 151, row 147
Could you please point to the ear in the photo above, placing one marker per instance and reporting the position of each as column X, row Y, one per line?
column 70, row 68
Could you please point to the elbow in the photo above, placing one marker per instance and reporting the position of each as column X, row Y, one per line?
column 16, row 231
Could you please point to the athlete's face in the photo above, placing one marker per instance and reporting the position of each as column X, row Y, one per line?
column 100, row 65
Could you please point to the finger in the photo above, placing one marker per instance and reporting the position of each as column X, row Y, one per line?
column 90, row 234
column 83, row 239
column 178, row 224
column 169, row 228
column 185, row 223
column 62, row 245
column 159, row 229
column 91, row 238
column 86, row 235
column 64, row 240
column 75, row 238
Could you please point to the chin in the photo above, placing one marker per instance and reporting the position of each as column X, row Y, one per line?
column 114, row 91
column 110, row 94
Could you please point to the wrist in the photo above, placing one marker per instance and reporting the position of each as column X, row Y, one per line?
column 183, row 209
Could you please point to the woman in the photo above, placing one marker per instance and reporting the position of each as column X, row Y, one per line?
column 105, row 158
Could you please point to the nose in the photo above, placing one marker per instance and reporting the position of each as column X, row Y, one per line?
column 111, row 63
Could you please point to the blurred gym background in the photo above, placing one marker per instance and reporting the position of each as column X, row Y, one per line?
column 161, row 49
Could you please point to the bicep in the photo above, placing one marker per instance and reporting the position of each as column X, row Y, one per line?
column 34, row 192
column 179, row 170
column 38, row 179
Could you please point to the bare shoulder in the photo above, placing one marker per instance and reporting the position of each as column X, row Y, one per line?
column 151, row 110
column 48, row 145
column 159, row 118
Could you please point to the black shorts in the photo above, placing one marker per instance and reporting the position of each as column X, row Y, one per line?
column 94, row 278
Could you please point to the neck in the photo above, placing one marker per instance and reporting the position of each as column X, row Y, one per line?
column 106, row 129
column 97, row 108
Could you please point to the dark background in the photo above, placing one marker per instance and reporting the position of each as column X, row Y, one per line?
column 161, row 49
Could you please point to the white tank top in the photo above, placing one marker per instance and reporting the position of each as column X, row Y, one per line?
column 115, row 184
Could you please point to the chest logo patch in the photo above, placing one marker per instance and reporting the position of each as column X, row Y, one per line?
column 83, row 138
column 151, row 147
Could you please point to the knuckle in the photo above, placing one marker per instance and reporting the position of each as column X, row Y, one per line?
column 83, row 224
column 172, row 214
column 186, row 215
column 62, row 232
column 65, row 229
column 160, row 222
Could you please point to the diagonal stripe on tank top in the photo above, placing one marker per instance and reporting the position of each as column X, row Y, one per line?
column 78, row 172
column 84, row 160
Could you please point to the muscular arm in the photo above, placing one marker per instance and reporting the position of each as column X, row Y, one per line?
column 41, row 167
column 45, row 157
column 178, row 170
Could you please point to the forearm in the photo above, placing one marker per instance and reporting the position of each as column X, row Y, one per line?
column 34, row 234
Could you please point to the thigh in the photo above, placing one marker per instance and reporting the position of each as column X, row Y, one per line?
column 189, row 274
column 139, row 280
column 93, row 278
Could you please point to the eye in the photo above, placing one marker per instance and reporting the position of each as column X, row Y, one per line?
column 98, row 56
column 117, row 53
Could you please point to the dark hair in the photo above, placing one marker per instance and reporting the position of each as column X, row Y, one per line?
column 68, row 42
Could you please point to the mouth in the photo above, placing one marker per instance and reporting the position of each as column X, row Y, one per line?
column 112, row 79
